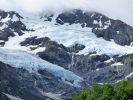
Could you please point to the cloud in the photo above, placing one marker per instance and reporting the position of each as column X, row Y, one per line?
column 35, row 6
column 117, row 9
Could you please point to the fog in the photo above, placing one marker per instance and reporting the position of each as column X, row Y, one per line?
column 116, row 9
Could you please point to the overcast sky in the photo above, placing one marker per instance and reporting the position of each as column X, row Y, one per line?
column 117, row 9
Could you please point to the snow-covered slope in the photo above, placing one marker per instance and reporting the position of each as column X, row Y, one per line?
column 67, row 35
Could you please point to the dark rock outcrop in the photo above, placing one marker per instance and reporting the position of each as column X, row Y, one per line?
column 3, row 96
column 54, row 52
column 4, row 34
column 18, row 27
column 119, row 31
column 13, row 24
column 98, row 68
column 34, row 41
column 19, row 82
column 47, row 17
column 86, row 19
column 56, row 55
column 75, row 48
column 101, row 25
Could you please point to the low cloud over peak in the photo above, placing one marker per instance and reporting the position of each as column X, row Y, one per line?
column 117, row 9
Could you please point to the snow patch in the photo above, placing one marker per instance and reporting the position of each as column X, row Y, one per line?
column 2, row 41
column 12, row 97
column 51, row 95
column 129, row 76
column 39, row 49
column 6, row 19
column 15, row 18
column 3, row 26
column 97, row 69
column 117, row 64
column 95, row 22
column 108, row 61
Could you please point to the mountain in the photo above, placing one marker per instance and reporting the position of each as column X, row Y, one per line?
column 53, row 56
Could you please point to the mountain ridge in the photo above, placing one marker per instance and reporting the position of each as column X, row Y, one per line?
column 67, row 49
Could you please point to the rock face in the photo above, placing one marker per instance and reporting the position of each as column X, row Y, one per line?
column 54, row 52
column 10, row 23
column 101, row 25
column 31, row 86
column 92, row 67
column 56, row 56
column 3, row 96
column 75, row 48
column 99, row 69
column 120, row 32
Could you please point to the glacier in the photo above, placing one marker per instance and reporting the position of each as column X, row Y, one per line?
column 32, row 63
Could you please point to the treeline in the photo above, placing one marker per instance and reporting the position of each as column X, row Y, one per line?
column 121, row 91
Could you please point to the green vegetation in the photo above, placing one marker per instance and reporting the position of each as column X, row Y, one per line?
column 130, row 59
column 121, row 91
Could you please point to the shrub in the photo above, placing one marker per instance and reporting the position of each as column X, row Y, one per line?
column 121, row 91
